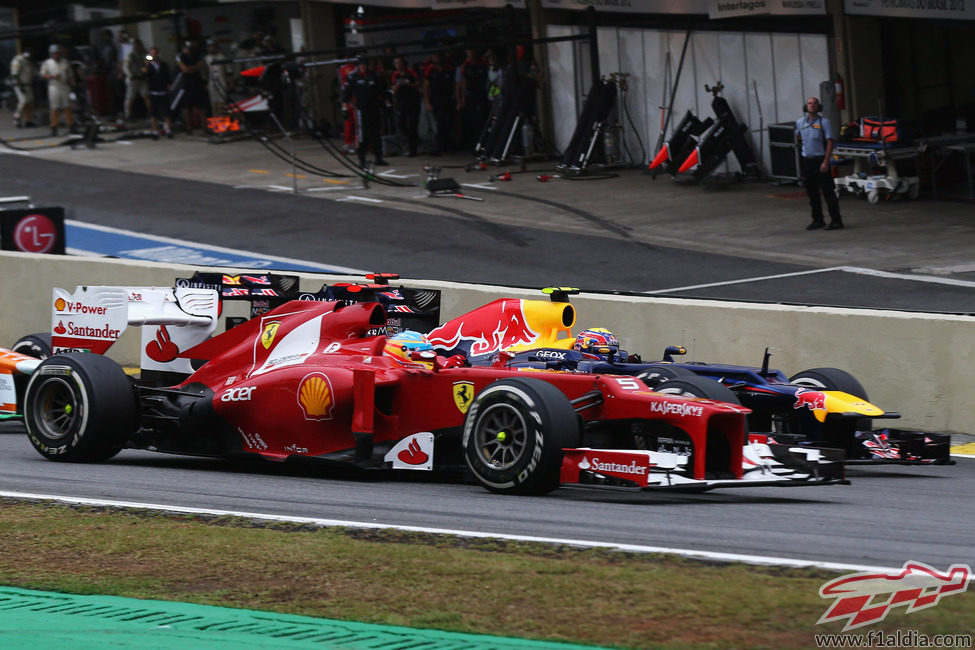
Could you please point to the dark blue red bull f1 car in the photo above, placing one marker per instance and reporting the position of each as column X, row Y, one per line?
column 819, row 407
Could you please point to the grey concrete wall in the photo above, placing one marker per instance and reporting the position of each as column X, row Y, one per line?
column 920, row 365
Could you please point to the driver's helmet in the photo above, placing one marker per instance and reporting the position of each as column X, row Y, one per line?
column 598, row 341
column 400, row 346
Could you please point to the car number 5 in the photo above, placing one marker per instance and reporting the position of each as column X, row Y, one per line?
column 629, row 383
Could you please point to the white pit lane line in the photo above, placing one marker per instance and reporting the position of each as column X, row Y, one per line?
column 846, row 269
column 172, row 241
column 761, row 560
column 360, row 198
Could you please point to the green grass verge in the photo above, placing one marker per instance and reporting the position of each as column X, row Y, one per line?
column 539, row 591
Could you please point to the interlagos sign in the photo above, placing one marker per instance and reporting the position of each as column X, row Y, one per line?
column 735, row 8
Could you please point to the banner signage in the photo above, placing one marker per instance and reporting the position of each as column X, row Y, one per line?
column 737, row 8
column 632, row 6
column 946, row 9
column 33, row 230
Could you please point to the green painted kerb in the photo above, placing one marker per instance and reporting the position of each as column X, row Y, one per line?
column 40, row 619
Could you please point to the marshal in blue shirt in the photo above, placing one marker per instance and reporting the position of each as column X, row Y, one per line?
column 814, row 130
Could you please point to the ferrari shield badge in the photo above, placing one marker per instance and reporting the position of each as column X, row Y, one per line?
column 463, row 395
column 267, row 336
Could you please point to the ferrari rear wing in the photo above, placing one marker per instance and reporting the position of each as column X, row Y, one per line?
column 92, row 319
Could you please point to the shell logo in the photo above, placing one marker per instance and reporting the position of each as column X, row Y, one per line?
column 59, row 304
column 315, row 397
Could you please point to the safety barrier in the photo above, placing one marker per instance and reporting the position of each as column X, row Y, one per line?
column 920, row 365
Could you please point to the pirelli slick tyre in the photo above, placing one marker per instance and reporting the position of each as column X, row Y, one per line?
column 834, row 379
column 34, row 345
column 656, row 375
column 829, row 379
column 514, row 434
column 79, row 408
column 697, row 386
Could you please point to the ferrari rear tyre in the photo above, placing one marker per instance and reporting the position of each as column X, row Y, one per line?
column 656, row 375
column 698, row 386
column 79, row 408
column 34, row 345
column 514, row 434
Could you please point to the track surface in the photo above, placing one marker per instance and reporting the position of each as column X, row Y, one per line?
column 888, row 515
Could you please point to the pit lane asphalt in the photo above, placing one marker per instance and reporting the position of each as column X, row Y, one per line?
column 628, row 233
column 888, row 515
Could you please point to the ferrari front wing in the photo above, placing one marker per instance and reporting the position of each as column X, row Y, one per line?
column 764, row 464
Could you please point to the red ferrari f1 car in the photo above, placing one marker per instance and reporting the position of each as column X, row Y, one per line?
column 311, row 379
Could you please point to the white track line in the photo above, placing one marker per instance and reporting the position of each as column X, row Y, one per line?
column 846, row 269
column 763, row 560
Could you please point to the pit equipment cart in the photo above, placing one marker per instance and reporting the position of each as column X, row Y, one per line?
column 867, row 158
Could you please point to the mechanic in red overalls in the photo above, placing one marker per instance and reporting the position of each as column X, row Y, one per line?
column 348, row 115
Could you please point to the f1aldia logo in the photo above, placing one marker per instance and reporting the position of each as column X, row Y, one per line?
column 867, row 597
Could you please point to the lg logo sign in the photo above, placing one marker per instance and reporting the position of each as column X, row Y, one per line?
column 33, row 230
column 35, row 233
column 238, row 394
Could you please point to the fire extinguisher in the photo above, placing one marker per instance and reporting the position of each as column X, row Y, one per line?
column 838, row 90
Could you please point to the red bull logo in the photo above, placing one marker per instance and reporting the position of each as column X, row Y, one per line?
column 814, row 400
column 491, row 328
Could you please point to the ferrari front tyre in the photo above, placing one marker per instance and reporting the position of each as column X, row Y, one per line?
column 514, row 434
column 79, row 408
column 698, row 386
column 656, row 375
